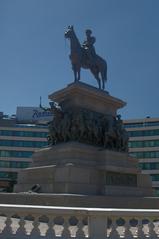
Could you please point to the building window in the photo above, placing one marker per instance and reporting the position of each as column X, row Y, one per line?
column 149, row 166
column 23, row 133
column 143, row 133
column 149, row 154
column 8, row 175
column 143, row 144
column 18, row 143
column 155, row 177
column 13, row 164
column 15, row 154
column 141, row 124
column 157, row 192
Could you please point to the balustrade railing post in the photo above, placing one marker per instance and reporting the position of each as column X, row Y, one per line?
column 21, row 232
column 114, row 233
column 97, row 226
column 35, row 234
column 152, row 233
column 140, row 227
column 128, row 233
column 80, row 232
column 66, row 232
column 50, row 232
column 8, row 229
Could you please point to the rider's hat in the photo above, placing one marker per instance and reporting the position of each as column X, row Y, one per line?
column 88, row 31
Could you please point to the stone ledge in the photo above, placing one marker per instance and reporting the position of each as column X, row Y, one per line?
column 80, row 200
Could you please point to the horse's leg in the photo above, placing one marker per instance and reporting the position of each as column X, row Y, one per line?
column 79, row 74
column 103, row 80
column 98, row 80
column 95, row 72
column 75, row 72
column 104, row 75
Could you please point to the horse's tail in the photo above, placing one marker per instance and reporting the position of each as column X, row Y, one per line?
column 105, row 72
column 104, row 75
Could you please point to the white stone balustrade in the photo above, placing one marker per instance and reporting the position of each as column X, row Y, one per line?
column 37, row 222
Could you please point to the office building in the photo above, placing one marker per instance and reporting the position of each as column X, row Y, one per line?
column 144, row 144
column 20, row 136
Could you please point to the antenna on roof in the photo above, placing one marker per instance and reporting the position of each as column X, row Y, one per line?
column 40, row 102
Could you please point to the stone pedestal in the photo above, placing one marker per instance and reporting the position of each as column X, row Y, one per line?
column 79, row 169
column 81, row 95
column 74, row 167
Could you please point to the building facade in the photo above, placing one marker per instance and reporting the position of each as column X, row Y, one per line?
column 19, row 139
column 144, row 144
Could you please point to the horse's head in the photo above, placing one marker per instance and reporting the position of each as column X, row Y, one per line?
column 69, row 32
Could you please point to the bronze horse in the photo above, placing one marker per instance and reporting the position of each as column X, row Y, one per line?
column 79, row 59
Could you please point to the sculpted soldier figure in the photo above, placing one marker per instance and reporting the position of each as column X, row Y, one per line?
column 121, row 134
column 88, row 45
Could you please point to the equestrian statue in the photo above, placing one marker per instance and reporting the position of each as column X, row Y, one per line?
column 85, row 56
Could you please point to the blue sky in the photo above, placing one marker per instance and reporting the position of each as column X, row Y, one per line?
column 34, row 54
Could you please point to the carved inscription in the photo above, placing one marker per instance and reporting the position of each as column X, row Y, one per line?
column 119, row 179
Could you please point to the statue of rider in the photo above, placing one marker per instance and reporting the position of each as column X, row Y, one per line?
column 88, row 45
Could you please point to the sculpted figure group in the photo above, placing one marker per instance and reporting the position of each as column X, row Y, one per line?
column 87, row 127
